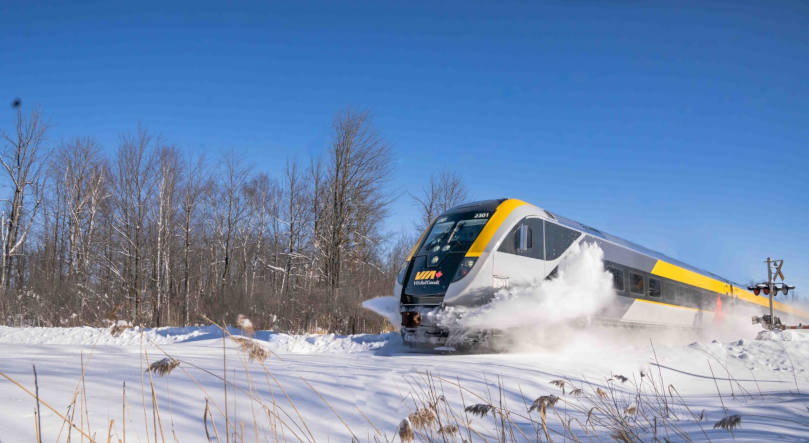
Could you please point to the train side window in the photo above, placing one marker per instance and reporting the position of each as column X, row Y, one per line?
column 617, row 277
column 691, row 297
column 683, row 296
column 669, row 290
column 557, row 240
column 706, row 299
column 636, row 283
column 655, row 287
column 538, row 251
column 508, row 243
column 523, row 238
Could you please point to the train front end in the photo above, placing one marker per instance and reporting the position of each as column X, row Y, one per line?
column 447, row 267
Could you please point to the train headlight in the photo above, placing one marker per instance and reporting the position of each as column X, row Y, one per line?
column 466, row 265
column 402, row 271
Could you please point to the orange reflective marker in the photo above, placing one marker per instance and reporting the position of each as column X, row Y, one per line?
column 719, row 314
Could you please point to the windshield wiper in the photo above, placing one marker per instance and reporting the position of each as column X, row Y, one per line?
column 452, row 234
column 436, row 241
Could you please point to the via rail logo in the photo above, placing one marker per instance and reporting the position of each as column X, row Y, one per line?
column 427, row 277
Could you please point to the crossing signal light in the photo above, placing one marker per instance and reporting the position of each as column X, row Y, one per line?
column 785, row 289
column 765, row 288
column 760, row 287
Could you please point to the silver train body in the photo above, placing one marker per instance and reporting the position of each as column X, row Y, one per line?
column 474, row 250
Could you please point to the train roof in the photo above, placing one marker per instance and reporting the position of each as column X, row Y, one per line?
column 482, row 205
column 491, row 206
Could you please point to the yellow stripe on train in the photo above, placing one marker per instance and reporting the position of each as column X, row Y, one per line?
column 692, row 278
column 503, row 211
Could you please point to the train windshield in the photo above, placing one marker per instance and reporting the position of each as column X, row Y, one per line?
column 454, row 233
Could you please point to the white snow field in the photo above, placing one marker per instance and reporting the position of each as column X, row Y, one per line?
column 364, row 379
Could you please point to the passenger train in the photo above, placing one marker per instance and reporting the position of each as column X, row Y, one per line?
column 473, row 250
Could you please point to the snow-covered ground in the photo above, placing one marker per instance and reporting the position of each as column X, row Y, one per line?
column 365, row 378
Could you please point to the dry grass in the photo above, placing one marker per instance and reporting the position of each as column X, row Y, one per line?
column 422, row 419
column 729, row 423
column 480, row 409
column 620, row 378
column 119, row 327
column 245, row 325
column 448, row 430
column 623, row 436
column 252, row 348
column 406, row 433
column 542, row 402
column 164, row 366
column 559, row 384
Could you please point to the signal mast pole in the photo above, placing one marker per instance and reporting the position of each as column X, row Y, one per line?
column 769, row 283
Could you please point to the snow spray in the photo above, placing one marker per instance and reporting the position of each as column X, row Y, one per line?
column 545, row 314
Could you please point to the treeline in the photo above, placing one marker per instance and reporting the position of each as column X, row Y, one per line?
column 156, row 235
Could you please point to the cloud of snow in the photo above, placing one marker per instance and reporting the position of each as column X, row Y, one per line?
column 580, row 290
column 546, row 312
column 736, row 325
column 387, row 307
column 554, row 316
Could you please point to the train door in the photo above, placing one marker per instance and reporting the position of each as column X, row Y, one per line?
column 519, row 260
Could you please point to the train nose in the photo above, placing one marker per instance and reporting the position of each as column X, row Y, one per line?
column 428, row 284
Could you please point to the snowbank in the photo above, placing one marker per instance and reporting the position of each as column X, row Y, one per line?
column 87, row 336
column 783, row 336
column 364, row 377
column 329, row 343
column 101, row 336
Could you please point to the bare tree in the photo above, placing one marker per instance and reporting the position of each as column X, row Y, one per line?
column 445, row 190
column 261, row 196
column 164, row 215
column 136, row 167
column 23, row 157
column 229, row 208
column 317, row 207
column 359, row 168
column 83, row 176
column 294, row 219
column 195, row 183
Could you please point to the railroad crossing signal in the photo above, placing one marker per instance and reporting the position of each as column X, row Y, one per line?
column 771, row 288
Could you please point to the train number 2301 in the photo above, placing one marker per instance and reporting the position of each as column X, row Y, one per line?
column 482, row 215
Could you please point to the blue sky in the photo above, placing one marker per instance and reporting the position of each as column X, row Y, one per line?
column 666, row 123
